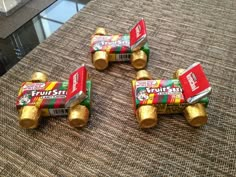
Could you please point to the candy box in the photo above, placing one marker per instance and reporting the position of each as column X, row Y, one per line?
column 164, row 96
column 41, row 98
column 116, row 48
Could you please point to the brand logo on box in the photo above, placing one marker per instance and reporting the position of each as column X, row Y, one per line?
column 75, row 82
column 192, row 81
column 34, row 86
column 138, row 31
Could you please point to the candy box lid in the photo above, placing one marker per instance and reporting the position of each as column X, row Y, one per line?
column 138, row 35
column 194, row 83
column 76, row 92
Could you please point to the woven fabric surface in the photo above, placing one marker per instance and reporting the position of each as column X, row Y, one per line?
column 179, row 33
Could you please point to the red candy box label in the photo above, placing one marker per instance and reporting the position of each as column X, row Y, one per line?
column 194, row 83
column 138, row 35
column 77, row 87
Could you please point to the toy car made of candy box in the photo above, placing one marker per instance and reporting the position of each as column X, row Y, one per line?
column 131, row 47
column 42, row 98
column 153, row 97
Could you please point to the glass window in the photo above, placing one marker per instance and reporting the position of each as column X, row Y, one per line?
column 49, row 26
column 61, row 11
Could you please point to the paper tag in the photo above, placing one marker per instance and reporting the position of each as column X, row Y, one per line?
column 76, row 92
column 138, row 36
column 194, row 83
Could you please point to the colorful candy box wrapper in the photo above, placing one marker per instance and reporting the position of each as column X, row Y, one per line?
column 166, row 95
column 49, row 97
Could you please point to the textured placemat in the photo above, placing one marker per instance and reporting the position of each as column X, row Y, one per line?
column 11, row 23
column 180, row 33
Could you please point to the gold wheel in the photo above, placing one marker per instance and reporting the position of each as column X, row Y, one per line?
column 100, row 60
column 78, row 116
column 147, row 116
column 29, row 117
column 100, row 31
column 39, row 77
column 196, row 115
column 139, row 59
column 143, row 75
column 178, row 73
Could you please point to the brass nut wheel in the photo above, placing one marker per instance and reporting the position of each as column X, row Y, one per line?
column 100, row 60
column 196, row 115
column 147, row 116
column 139, row 59
column 78, row 116
column 143, row 75
column 100, row 31
column 29, row 117
column 39, row 77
